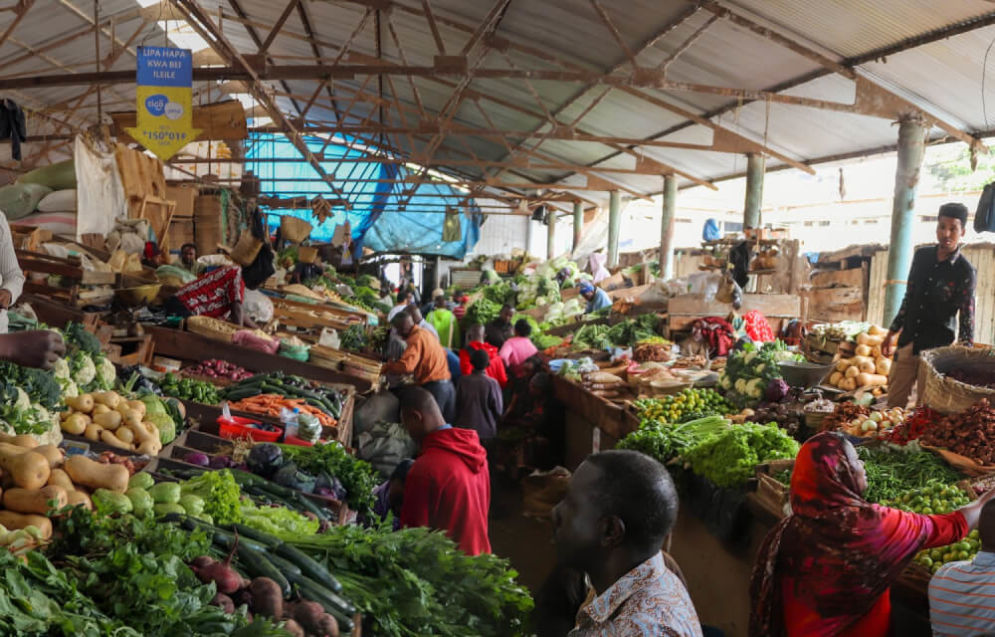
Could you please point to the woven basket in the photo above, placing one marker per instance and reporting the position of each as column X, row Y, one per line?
column 945, row 394
column 293, row 229
column 211, row 328
column 306, row 254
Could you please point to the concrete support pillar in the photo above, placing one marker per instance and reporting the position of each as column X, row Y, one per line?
column 614, row 225
column 911, row 147
column 755, row 164
column 578, row 224
column 551, row 235
column 437, row 274
column 667, row 227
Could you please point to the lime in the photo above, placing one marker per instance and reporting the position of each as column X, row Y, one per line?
column 927, row 511
column 926, row 561
column 963, row 546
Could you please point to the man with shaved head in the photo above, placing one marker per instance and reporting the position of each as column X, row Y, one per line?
column 962, row 594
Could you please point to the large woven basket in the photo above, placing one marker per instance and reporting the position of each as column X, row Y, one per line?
column 294, row 229
column 211, row 328
column 945, row 394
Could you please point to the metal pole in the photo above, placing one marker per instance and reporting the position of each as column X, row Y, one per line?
column 551, row 236
column 911, row 147
column 578, row 224
column 755, row 165
column 614, row 224
column 667, row 227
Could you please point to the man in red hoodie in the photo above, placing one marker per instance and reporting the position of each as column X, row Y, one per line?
column 448, row 487
column 475, row 341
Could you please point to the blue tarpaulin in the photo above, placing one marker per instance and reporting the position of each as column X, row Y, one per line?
column 375, row 221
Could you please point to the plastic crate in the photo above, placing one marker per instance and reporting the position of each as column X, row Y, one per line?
column 237, row 427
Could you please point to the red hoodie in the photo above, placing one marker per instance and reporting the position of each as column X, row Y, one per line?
column 495, row 370
column 449, row 489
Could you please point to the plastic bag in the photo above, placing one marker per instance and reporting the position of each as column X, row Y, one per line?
column 258, row 306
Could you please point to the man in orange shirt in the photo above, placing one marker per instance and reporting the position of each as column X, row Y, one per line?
column 425, row 359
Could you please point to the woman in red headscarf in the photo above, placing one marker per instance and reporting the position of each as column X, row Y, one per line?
column 826, row 569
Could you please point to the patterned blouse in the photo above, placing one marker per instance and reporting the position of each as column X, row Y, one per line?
column 937, row 291
column 649, row 600
column 214, row 293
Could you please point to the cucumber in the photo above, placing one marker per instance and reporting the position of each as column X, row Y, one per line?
column 289, row 569
column 254, row 535
column 309, row 567
column 256, row 564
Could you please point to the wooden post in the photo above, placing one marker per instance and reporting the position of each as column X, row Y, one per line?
column 578, row 224
column 667, row 227
column 551, row 235
column 911, row 147
column 755, row 164
column 614, row 225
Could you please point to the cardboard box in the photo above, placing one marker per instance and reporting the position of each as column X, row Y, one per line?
column 184, row 196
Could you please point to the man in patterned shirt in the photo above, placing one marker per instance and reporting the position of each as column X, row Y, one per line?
column 941, row 285
column 619, row 509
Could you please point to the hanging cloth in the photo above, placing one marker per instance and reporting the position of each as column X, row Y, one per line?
column 452, row 229
column 13, row 126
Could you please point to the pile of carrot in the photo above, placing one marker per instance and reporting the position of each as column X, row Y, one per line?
column 271, row 404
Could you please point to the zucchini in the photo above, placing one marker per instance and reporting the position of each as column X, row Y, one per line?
column 334, row 605
column 257, row 565
column 289, row 569
column 309, row 567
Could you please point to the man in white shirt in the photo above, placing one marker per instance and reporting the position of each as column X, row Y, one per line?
column 11, row 277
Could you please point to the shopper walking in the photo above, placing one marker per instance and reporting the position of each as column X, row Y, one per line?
column 940, row 287
column 448, row 487
column 478, row 399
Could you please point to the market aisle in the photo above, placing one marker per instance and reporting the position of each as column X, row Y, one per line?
column 526, row 542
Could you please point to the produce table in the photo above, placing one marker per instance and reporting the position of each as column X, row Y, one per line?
column 592, row 423
column 188, row 346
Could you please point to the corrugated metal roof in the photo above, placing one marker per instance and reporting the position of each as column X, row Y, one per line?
column 943, row 77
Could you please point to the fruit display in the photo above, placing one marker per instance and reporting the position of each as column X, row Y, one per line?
column 874, row 423
column 939, row 498
column 688, row 404
column 867, row 368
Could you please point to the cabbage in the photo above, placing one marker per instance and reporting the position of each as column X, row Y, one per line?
column 165, row 424
column 777, row 390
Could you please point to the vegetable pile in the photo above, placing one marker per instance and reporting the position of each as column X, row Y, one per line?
column 729, row 458
column 892, row 472
column 868, row 367
column 688, row 404
column 750, row 370
column 970, row 434
column 120, row 423
column 356, row 477
column 269, row 393
column 938, row 498
column 215, row 368
column 197, row 391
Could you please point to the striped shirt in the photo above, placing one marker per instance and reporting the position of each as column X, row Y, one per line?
column 962, row 597
column 11, row 277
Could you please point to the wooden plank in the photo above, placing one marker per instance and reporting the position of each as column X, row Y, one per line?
column 875, row 287
column 854, row 277
column 685, row 310
column 187, row 346
column 612, row 419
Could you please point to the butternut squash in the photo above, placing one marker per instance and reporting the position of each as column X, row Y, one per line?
column 871, row 380
column 835, row 378
column 111, row 420
column 100, row 409
column 109, row 438
column 877, row 330
column 848, row 384
column 40, row 501
column 23, row 440
column 109, row 398
column 851, row 372
column 866, row 366
column 91, row 473
column 75, row 424
column 28, row 470
column 125, row 435
column 867, row 339
column 92, row 431
column 842, row 364
column 883, row 366
column 52, row 453
column 82, row 403
column 79, row 498
column 13, row 521
column 60, row 478
column 137, row 405
column 863, row 350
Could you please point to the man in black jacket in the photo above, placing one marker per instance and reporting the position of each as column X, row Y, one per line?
column 941, row 285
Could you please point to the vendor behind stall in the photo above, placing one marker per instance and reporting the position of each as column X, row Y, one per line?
column 597, row 299
column 221, row 293
column 188, row 259
column 940, row 285
column 500, row 329
column 11, row 277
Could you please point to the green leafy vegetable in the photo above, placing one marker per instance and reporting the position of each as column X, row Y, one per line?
column 730, row 458
column 357, row 476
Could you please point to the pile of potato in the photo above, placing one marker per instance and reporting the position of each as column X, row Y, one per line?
column 111, row 419
column 38, row 479
column 867, row 368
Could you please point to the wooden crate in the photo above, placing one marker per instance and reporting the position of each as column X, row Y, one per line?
column 772, row 495
column 141, row 175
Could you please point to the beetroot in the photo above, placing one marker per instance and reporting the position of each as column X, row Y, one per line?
column 222, row 574
column 202, row 561
column 224, row 603
column 308, row 615
column 267, row 599
column 293, row 628
column 329, row 626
